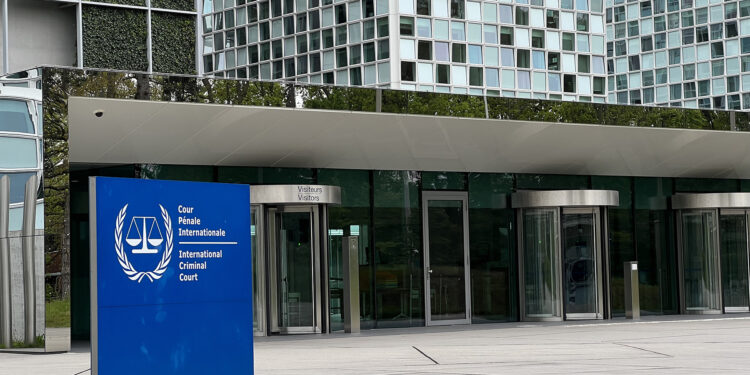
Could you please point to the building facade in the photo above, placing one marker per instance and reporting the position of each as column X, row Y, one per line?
column 529, row 216
column 485, row 169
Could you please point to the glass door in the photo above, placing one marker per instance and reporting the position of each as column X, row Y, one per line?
column 580, row 258
column 294, row 245
column 540, row 264
column 734, row 260
column 446, row 255
column 699, row 262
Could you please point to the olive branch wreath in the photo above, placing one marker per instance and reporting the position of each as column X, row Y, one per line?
column 122, row 257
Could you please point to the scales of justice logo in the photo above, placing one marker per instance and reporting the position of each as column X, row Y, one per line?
column 144, row 236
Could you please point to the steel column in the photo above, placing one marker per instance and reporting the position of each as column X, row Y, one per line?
column 5, row 296
column 29, row 274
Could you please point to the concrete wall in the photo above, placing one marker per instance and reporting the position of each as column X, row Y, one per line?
column 40, row 33
column 16, row 277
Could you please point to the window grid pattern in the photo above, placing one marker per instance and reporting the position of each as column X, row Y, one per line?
column 317, row 41
column 527, row 48
column 684, row 53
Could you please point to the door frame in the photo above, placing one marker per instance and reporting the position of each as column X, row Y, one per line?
column 737, row 212
column 273, row 268
column 445, row 196
column 595, row 211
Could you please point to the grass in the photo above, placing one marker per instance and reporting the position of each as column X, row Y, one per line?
column 58, row 313
column 38, row 343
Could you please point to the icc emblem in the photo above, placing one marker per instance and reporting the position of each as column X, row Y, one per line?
column 144, row 235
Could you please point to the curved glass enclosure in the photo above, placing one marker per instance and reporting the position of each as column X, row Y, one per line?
column 561, row 257
column 713, row 252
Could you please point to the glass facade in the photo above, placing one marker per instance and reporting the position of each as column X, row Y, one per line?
column 383, row 208
column 684, row 53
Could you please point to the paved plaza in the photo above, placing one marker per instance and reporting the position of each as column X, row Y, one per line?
column 655, row 345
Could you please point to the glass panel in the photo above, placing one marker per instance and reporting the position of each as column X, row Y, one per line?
column 540, row 264
column 700, row 261
column 446, row 272
column 350, row 218
column 15, row 116
column 397, row 235
column 579, row 255
column 17, row 185
column 17, row 152
column 734, row 275
column 492, row 248
column 295, row 270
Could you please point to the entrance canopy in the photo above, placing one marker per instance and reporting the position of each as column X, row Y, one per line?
column 130, row 131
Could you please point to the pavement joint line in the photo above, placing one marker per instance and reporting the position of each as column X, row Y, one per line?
column 423, row 353
column 645, row 350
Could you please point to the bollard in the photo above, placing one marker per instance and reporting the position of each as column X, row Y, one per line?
column 6, row 316
column 632, row 303
column 29, row 275
column 350, row 260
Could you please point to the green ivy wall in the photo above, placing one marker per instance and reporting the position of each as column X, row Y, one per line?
column 117, row 38
column 173, row 42
column 114, row 38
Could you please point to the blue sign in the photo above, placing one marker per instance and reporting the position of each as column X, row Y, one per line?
column 172, row 283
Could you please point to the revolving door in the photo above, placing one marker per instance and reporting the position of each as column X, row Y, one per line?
column 561, row 254
column 712, row 230
column 290, row 257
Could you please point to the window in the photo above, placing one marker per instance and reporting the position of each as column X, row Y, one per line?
column 407, row 71
column 506, row 57
column 538, row 60
column 553, row 19
column 647, row 78
column 568, row 42
column 458, row 9
column 475, row 54
column 553, row 61
column 475, row 76
column 569, row 83
column 523, row 59
column 443, row 73
column 583, row 64
column 688, row 36
column 701, row 34
column 442, row 51
column 506, row 14
column 459, row 53
column 407, row 26
column 424, row 50
column 582, row 22
column 634, row 63
column 423, row 7
column 537, row 38
column 646, row 44
column 506, row 36
column 633, row 28
column 522, row 16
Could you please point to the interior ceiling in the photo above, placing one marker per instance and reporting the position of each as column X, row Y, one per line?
column 207, row 134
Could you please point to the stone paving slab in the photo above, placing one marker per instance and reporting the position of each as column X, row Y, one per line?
column 656, row 345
